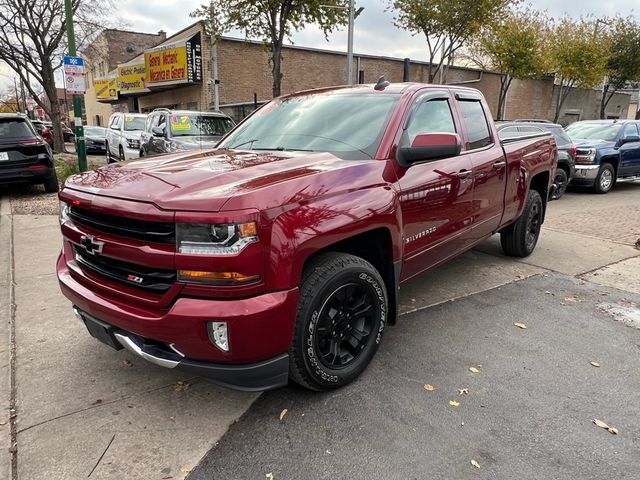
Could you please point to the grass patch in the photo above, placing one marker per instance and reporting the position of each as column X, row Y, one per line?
column 65, row 168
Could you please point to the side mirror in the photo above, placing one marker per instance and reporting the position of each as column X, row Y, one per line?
column 629, row 139
column 429, row 147
column 157, row 132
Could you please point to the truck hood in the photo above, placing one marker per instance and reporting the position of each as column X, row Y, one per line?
column 586, row 143
column 205, row 181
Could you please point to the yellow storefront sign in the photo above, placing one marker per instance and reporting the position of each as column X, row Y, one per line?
column 131, row 78
column 106, row 88
column 166, row 66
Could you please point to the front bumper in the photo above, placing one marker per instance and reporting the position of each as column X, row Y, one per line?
column 260, row 329
column 130, row 153
column 264, row 375
column 585, row 175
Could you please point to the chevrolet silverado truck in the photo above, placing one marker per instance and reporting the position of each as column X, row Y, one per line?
column 607, row 151
column 279, row 254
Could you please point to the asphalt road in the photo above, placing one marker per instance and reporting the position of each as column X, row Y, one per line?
column 528, row 413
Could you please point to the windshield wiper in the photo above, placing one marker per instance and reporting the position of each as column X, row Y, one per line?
column 284, row 149
column 244, row 143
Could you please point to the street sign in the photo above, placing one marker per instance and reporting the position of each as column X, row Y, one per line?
column 74, row 75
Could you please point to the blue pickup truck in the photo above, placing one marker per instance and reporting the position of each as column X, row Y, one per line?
column 607, row 150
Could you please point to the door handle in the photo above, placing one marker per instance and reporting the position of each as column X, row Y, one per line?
column 499, row 165
column 464, row 173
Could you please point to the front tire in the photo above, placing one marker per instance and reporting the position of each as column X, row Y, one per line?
column 605, row 180
column 121, row 154
column 342, row 314
column 521, row 237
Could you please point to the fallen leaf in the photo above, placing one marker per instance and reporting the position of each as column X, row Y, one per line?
column 475, row 464
column 548, row 292
column 97, row 402
column 463, row 391
column 595, row 364
column 474, row 370
column 127, row 363
column 283, row 414
column 601, row 424
column 182, row 386
column 185, row 470
column 520, row 277
column 131, row 406
column 172, row 418
column 520, row 325
column 428, row 387
column 453, row 403
column 328, row 452
column 571, row 299
column 42, row 340
column 269, row 476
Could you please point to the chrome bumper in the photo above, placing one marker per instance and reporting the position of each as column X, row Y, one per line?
column 585, row 172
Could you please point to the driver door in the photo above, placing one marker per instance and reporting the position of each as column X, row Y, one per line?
column 436, row 196
column 630, row 151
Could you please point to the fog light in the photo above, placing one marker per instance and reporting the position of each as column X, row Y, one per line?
column 218, row 335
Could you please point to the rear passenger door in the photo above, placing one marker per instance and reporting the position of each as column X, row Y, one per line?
column 488, row 163
column 630, row 151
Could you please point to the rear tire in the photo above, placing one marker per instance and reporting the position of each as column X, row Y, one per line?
column 342, row 312
column 605, row 180
column 51, row 183
column 521, row 237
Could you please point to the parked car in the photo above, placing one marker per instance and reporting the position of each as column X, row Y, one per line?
column 24, row 155
column 95, row 139
column 566, row 147
column 44, row 131
column 172, row 130
column 68, row 134
column 607, row 151
column 123, row 136
column 280, row 254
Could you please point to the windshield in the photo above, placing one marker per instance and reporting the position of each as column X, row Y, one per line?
column 15, row 128
column 348, row 126
column 95, row 131
column 594, row 131
column 199, row 125
column 133, row 123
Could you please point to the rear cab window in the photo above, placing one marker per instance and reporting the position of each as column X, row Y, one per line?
column 475, row 122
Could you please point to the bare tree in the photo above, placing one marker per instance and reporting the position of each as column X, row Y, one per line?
column 33, row 42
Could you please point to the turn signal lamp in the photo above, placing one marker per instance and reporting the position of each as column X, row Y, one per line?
column 216, row 278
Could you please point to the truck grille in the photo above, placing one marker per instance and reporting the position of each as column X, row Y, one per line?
column 152, row 280
column 155, row 232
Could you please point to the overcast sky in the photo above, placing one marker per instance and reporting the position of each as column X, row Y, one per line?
column 374, row 34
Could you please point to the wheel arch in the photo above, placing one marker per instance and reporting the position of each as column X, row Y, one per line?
column 540, row 183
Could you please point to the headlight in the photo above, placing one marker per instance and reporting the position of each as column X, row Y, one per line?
column 64, row 212
column 133, row 143
column 585, row 155
column 216, row 239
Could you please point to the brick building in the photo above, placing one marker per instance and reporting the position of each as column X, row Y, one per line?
column 111, row 48
column 65, row 105
column 244, row 75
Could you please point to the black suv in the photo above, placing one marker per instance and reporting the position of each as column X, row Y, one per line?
column 25, row 157
column 566, row 148
column 172, row 130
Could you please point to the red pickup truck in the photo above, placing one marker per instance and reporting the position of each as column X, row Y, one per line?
column 279, row 255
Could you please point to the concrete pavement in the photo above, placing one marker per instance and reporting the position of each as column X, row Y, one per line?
column 85, row 409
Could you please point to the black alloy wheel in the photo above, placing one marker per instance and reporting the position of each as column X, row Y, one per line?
column 345, row 324
column 562, row 182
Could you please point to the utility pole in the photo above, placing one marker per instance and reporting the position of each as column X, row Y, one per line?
column 77, row 99
column 350, row 45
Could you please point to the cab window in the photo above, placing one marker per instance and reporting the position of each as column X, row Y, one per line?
column 630, row 130
column 476, row 124
column 430, row 117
